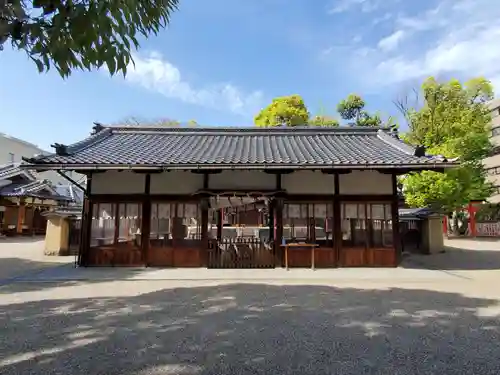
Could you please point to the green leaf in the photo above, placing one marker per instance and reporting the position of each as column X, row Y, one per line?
column 453, row 121
column 95, row 32
column 286, row 110
column 39, row 65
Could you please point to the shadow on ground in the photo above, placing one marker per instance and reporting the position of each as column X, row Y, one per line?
column 21, row 239
column 23, row 275
column 456, row 259
column 476, row 239
column 12, row 268
column 253, row 329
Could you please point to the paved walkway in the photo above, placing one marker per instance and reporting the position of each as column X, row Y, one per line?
column 24, row 255
column 198, row 327
column 23, row 261
column 403, row 321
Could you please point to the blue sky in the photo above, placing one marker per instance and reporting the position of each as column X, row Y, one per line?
column 220, row 61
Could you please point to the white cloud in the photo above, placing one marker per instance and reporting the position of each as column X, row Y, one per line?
column 460, row 38
column 383, row 18
column 392, row 41
column 155, row 73
column 341, row 6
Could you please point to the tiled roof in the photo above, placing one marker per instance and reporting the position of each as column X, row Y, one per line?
column 36, row 189
column 244, row 148
column 71, row 192
column 75, row 212
column 416, row 212
column 10, row 170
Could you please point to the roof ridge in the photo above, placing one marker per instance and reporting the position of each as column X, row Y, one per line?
column 89, row 141
column 237, row 148
column 81, row 145
column 245, row 130
column 9, row 170
column 396, row 143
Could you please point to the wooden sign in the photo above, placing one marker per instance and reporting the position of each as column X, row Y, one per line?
column 488, row 229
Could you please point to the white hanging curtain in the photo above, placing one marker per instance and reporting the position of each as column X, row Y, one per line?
column 219, row 202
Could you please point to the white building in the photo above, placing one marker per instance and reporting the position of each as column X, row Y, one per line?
column 492, row 163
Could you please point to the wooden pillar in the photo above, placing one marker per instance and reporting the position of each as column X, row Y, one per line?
column 337, row 219
column 279, row 250
column 219, row 224
column 472, row 219
column 278, row 223
column 32, row 216
column 21, row 213
column 395, row 219
column 86, row 225
column 204, row 221
column 270, row 219
column 204, row 231
column 146, row 220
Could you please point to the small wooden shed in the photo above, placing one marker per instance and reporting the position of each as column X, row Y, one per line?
column 62, row 236
column 421, row 230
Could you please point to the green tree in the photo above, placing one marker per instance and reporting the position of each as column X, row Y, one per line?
column 323, row 120
column 454, row 122
column 284, row 110
column 353, row 109
column 81, row 34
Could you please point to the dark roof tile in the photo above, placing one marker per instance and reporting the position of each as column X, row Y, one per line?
column 239, row 148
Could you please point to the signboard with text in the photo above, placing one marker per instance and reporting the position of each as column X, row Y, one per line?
column 488, row 229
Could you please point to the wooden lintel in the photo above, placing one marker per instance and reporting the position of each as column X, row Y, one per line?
column 206, row 171
column 401, row 171
column 148, row 171
column 63, row 175
column 394, row 171
column 340, row 197
column 279, row 171
column 238, row 192
column 336, row 171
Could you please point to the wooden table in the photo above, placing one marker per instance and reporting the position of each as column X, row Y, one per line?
column 313, row 246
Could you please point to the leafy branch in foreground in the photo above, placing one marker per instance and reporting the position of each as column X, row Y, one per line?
column 81, row 34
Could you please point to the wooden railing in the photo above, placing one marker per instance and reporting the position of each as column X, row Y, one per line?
column 240, row 252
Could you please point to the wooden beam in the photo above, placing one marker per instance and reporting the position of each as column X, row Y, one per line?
column 86, row 225
column 63, row 175
column 337, row 219
column 147, row 171
column 341, row 197
column 21, row 213
column 141, row 197
column 146, row 221
column 32, row 229
column 395, row 219
column 336, row 171
column 236, row 192
column 204, row 231
column 278, row 171
column 206, row 171
column 278, row 249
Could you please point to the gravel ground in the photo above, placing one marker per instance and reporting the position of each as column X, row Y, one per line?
column 21, row 255
column 167, row 327
column 445, row 323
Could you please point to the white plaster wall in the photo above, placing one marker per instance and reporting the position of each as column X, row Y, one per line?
column 242, row 180
column 308, row 182
column 365, row 182
column 114, row 182
column 176, row 182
